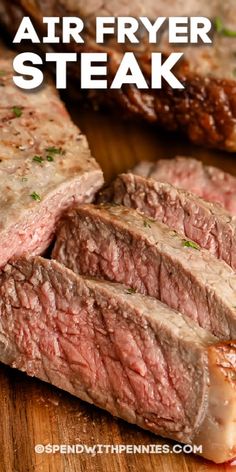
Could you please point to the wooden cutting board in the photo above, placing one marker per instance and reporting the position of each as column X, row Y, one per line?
column 36, row 413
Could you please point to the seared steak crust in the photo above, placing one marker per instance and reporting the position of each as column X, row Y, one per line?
column 205, row 110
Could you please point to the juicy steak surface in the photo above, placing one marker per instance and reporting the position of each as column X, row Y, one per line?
column 208, row 224
column 130, row 355
column 121, row 245
column 205, row 110
column 45, row 166
column 208, row 182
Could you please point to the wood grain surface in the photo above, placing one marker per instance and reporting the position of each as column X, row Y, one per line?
column 36, row 413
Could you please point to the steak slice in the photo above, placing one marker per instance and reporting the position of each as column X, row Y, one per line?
column 205, row 110
column 208, row 224
column 121, row 245
column 45, row 166
column 208, row 182
column 126, row 353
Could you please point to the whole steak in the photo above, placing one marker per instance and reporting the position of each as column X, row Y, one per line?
column 206, row 109
column 124, row 352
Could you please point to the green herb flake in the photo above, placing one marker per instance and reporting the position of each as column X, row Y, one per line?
column 3, row 73
column 38, row 159
column 24, row 179
column 229, row 33
column 35, row 196
column 130, row 291
column 191, row 244
column 54, row 150
column 234, row 72
column 147, row 222
column 50, row 158
column 17, row 111
column 221, row 29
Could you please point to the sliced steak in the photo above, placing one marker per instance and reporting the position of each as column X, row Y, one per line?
column 126, row 353
column 121, row 245
column 45, row 166
column 208, row 182
column 205, row 110
column 208, row 224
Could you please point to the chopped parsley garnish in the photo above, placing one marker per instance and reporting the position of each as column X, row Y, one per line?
column 54, row 150
column 50, row 158
column 17, row 111
column 24, row 179
column 38, row 159
column 146, row 224
column 130, row 291
column 191, row 244
column 221, row 29
column 35, row 196
column 2, row 73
